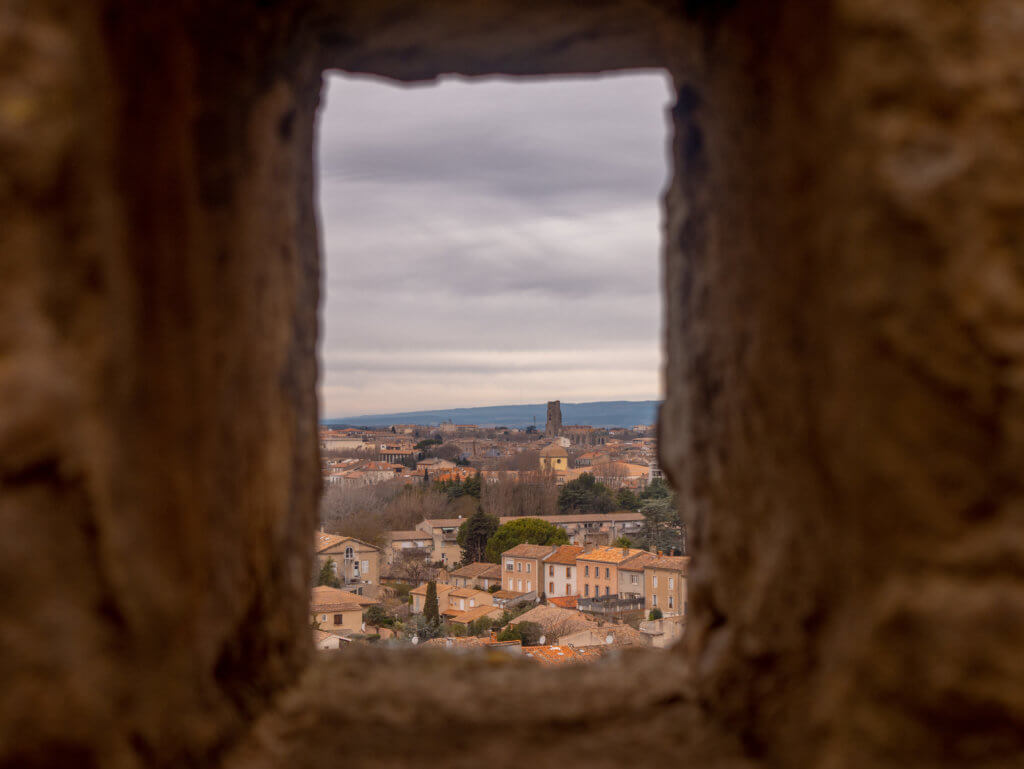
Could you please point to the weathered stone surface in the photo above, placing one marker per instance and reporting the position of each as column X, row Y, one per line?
column 844, row 304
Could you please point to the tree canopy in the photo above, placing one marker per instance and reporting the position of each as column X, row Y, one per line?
column 585, row 495
column 473, row 535
column 523, row 530
column 662, row 528
column 327, row 575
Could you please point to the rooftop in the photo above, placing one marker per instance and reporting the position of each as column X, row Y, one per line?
column 479, row 569
column 611, row 554
column 671, row 562
column 323, row 594
column 529, row 551
column 564, row 554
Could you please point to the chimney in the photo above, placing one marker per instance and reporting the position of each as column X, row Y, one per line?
column 659, row 553
column 625, row 551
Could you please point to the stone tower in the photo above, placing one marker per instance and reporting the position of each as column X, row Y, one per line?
column 554, row 425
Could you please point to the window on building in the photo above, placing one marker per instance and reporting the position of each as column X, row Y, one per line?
column 551, row 587
column 567, row 590
column 519, row 565
column 528, row 567
column 634, row 579
column 607, row 573
column 365, row 566
column 654, row 599
column 529, row 586
column 339, row 619
column 586, row 590
column 654, row 580
column 671, row 583
column 551, row 571
column 568, row 572
column 348, row 552
column 670, row 602
column 586, row 570
column 508, row 565
column 607, row 590
column 520, row 586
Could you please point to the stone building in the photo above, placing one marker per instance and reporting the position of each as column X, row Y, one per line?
column 553, row 427
column 842, row 278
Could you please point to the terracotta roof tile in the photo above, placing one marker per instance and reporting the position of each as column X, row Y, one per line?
column 565, row 554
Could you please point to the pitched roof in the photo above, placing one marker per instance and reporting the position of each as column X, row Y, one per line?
column 638, row 563
column 502, row 594
column 554, row 450
column 552, row 655
column 671, row 562
column 421, row 589
column 396, row 536
column 324, row 596
column 564, row 554
column 529, row 551
column 468, row 592
column 443, row 523
column 471, row 615
column 564, row 601
column 479, row 569
column 611, row 554
column 552, row 618
column 325, row 541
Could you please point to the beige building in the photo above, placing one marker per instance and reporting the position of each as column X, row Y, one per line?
column 665, row 585
column 522, row 568
column 462, row 599
column 477, row 575
column 412, row 541
column 631, row 576
column 356, row 563
column 333, row 610
column 559, row 569
column 443, row 533
column 554, row 458
column 419, row 595
column 598, row 571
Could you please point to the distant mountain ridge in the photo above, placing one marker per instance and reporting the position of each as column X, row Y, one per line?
column 595, row 414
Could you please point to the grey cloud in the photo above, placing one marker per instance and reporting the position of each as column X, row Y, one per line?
column 493, row 218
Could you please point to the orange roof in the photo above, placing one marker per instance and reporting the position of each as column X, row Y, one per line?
column 552, row 655
column 529, row 551
column 323, row 595
column 565, row 554
column 611, row 554
column 670, row 562
column 638, row 563
column 564, row 601
column 479, row 569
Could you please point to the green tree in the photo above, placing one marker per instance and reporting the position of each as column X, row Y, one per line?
column 377, row 616
column 655, row 614
column 585, row 495
column 657, row 489
column 626, row 499
column 523, row 530
column 327, row 575
column 528, row 633
column 430, row 608
column 662, row 528
column 623, row 542
column 473, row 535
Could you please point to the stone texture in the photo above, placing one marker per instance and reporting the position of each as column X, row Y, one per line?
column 844, row 295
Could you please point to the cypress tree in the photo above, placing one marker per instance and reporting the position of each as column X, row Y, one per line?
column 430, row 608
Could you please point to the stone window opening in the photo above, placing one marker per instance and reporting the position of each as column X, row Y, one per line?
column 839, row 239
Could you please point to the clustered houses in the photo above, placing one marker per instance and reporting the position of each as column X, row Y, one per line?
column 355, row 563
column 480, row 576
column 618, row 458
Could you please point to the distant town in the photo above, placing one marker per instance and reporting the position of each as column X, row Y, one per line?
column 560, row 544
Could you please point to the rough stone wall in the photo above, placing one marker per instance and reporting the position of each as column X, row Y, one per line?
column 844, row 417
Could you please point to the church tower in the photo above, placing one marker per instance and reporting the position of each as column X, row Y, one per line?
column 554, row 425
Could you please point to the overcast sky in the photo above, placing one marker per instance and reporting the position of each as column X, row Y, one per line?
column 491, row 242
